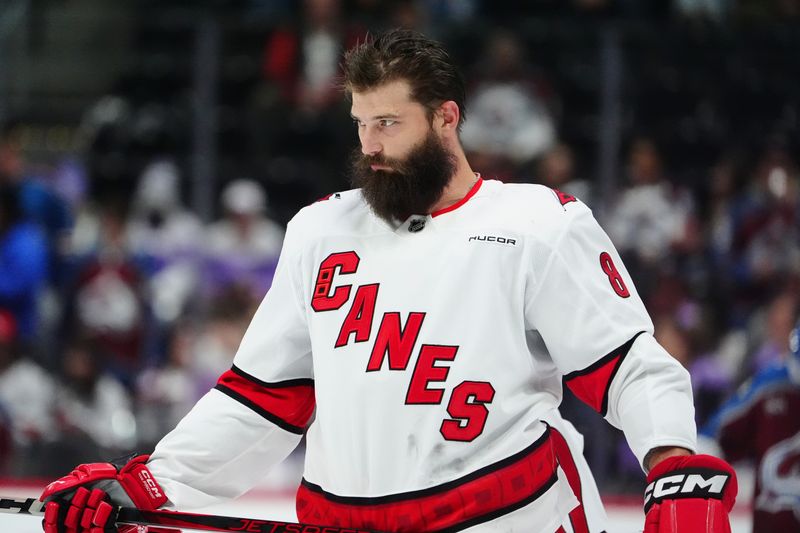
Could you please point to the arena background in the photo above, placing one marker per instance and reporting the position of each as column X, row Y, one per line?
column 163, row 145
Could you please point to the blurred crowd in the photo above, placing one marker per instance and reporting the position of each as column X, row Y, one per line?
column 120, row 304
column 117, row 313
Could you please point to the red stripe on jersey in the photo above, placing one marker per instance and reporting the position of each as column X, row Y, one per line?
column 591, row 384
column 461, row 202
column 289, row 404
column 577, row 516
column 479, row 497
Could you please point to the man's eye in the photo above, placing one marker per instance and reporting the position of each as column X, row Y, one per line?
column 357, row 123
column 387, row 122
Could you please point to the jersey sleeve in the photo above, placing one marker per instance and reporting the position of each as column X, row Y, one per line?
column 581, row 300
column 257, row 412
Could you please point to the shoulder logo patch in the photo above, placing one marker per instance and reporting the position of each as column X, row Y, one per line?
column 564, row 198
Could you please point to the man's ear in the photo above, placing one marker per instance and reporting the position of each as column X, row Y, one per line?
column 447, row 116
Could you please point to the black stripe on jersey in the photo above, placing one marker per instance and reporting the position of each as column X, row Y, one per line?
column 620, row 352
column 299, row 382
column 497, row 513
column 259, row 410
column 416, row 494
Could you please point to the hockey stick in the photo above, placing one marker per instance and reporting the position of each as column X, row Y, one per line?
column 178, row 519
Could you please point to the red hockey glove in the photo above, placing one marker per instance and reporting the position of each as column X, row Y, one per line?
column 689, row 494
column 85, row 501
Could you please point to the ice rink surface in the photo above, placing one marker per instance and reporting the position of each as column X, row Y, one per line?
column 625, row 518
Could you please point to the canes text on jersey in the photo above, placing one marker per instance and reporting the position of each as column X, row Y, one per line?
column 396, row 342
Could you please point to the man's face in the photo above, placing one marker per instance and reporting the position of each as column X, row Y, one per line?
column 402, row 166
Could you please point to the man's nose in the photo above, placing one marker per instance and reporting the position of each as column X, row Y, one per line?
column 369, row 145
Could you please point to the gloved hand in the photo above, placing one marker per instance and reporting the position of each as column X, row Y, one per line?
column 85, row 501
column 690, row 494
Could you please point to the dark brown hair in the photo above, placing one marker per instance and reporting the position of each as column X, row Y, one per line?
column 406, row 55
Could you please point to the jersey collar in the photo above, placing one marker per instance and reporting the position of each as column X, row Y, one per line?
column 461, row 202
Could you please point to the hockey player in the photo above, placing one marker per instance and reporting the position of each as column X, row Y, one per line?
column 760, row 423
column 418, row 332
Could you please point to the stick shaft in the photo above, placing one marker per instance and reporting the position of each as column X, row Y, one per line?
column 20, row 505
column 178, row 519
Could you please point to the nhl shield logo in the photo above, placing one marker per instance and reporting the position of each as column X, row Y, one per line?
column 416, row 225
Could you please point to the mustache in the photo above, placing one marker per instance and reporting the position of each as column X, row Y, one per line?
column 364, row 162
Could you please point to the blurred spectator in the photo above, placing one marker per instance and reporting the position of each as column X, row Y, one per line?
column 652, row 219
column 772, row 326
column 229, row 314
column 243, row 247
column 160, row 226
column 722, row 192
column 300, row 105
column 556, row 169
column 38, row 202
column 23, row 263
column 672, row 298
column 722, row 212
column 27, row 395
column 651, row 215
column 767, row 237
column 169, row 236
column 93, row 408
column 165, row 393
column 304, row 62
column 508, row 123
column 106, row 300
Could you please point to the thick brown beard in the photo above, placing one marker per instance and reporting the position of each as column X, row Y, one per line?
column 414, row 184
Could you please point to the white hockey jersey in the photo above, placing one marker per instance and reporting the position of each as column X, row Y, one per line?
column 420, row 361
